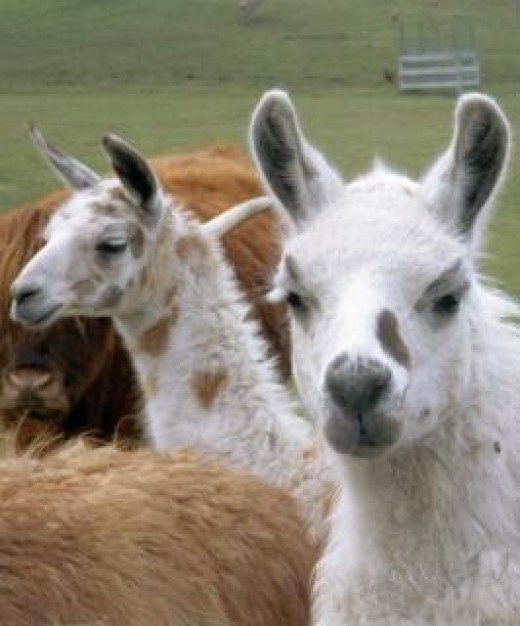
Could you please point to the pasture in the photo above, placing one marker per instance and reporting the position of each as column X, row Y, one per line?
column 172, row 76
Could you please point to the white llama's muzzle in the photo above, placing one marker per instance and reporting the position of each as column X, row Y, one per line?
column 31, row 305
column 359, row 416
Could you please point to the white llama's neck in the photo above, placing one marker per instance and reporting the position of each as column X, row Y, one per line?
column 205, row 376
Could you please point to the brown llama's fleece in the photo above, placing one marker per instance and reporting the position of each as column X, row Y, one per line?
column 75, row 377
column 104, row 536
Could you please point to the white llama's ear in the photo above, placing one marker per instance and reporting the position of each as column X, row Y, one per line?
column 74, row 174
column 461, row 183
column 233, row 217
column 298, row 176
column 133, row 171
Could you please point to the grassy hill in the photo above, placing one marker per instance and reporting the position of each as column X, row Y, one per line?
column 171, row 75
column 160, row 42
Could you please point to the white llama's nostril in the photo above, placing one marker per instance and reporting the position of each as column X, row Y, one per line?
column 30, row 305
column 23, row 295
column 22, row 300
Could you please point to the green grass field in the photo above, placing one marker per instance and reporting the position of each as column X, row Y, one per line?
column 172, row 75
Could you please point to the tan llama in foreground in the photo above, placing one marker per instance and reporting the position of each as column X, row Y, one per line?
column 124, row 251
column 136, row 538
column 410, row 365
column 75, row 377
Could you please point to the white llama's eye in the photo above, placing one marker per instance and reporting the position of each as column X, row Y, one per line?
column 444, row 295
column 112, row 247
column 448, row 304
column 296, row 302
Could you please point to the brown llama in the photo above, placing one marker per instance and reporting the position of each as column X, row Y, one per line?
column 76, row 377
column 102, row 536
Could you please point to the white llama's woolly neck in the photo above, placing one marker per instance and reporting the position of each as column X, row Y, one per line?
column 205, row 374
column 431, row 531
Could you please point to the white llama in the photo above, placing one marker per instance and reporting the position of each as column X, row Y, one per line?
column 117, row 249
column 410, row 365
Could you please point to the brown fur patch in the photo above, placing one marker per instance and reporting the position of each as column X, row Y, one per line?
column 111, row 296
column 149, row 386
column 154, row 340
column 143, row 278
column 118, row 194
column 391, row 340
column 291, row 268
column 103, row 208
column 188, row 244
column 207, row 385
column 136, row 241
column 83, row 287
column 310, row 452
column 169, row 296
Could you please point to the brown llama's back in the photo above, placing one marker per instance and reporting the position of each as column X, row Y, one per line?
column 75, row 377
column 113, row 537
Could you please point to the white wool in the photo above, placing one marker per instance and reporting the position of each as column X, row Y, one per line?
column 425, row 530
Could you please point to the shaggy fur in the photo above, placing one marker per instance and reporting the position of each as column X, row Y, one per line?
column 410, row 365
column 110, row 537
column 90, row 385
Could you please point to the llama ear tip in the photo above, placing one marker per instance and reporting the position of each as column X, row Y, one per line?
column 277, row 92
column 476, row 101
column 275, row 97
column 282, row 97
column 35, row 134
column 113, row 145
column 108, row 140
column 40, row 141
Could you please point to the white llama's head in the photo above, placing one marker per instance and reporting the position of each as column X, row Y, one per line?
column 104, row 252
column 94, row 260
column 379, row 275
